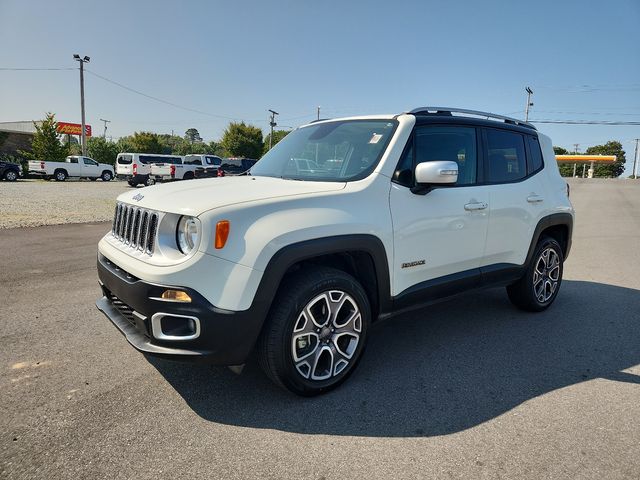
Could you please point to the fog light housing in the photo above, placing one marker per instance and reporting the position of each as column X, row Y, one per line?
column 176, row 296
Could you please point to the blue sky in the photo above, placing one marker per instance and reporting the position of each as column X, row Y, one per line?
column 238, row 59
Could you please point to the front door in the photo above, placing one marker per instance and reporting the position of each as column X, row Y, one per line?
column 443, row 232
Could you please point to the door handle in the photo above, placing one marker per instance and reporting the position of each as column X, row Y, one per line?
column 534, row 199
column 475, row 206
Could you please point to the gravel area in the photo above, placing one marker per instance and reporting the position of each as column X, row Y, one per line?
column 30, row 203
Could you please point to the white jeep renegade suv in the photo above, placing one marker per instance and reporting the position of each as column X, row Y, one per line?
column 342, row 223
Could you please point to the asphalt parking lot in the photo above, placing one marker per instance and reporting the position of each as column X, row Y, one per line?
column 470, row 388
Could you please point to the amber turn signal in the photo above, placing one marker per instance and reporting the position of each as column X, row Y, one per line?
column 176, row 296
column 222, row 233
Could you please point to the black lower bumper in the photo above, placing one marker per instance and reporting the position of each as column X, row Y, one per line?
column 225, row 337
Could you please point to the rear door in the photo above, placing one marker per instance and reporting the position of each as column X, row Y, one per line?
column 124, row 164
column 517, row 195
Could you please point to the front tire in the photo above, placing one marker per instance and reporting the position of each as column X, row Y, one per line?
column 106, row 176
column 10, row 175
column 316, row 331
column 539, row 286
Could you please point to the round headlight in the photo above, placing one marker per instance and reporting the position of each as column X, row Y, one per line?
column 187, row 234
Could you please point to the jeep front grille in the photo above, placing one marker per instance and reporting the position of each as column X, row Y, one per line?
column 135, row 227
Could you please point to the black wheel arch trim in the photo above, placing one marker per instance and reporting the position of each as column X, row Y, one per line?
column 298, row 252
column 553, row 220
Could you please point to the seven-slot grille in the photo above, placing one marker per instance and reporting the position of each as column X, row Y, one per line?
column 135, row 227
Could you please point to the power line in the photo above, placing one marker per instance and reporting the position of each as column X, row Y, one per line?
column 588, row 113
column 35, row 69
column 166, row 102
column 584, row 122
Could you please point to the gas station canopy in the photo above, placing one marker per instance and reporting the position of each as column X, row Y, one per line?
column 586, row 158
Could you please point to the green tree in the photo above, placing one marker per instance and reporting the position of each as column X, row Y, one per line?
column 145, row 142
column 242, row 140
column 216, row 148
column 46, row 144
column 277, row 136
column 566, row 169
column 193, row 136
column 560, row 151
column 172, row 144
column 102, row 150
column 608, row 170
column 124, row 144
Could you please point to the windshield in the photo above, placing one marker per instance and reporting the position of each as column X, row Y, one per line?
column 331, row 151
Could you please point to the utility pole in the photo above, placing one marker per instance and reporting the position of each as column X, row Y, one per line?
column 318, row 118
column 104, row 135
column 635, row 159
column 529, row 103
column 82, row 61
column 272, row 123
column 577, row 147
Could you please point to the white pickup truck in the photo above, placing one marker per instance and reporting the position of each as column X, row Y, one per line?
column 185, row 171
column 73, row 166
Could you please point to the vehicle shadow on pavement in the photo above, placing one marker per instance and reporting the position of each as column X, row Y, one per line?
column 441, row 370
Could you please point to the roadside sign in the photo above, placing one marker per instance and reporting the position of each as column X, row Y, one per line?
column 73, row 129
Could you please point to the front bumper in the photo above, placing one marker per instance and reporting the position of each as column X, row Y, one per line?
column 225, row 337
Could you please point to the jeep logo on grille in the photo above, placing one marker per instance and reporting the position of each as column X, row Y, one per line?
column 137, row 197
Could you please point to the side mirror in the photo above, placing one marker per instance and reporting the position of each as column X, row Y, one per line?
column 435, row 173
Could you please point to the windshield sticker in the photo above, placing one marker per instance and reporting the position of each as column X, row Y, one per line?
column 375, row 138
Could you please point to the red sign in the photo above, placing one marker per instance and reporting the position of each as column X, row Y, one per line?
column 73, row 129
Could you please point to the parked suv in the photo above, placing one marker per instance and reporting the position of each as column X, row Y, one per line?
column 10, row 171
column 297, row 260
column 227, row 166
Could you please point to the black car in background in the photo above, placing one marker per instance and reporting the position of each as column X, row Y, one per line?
column 229, row 167
column 10, row 171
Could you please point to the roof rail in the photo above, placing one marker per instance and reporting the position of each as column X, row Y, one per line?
column 449, row 111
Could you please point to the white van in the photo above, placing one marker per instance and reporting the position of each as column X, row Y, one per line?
column 136, row 167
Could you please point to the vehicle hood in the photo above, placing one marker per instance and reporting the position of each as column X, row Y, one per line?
column 193, row 197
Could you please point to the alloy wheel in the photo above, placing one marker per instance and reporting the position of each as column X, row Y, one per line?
column 326, row 335
column 546, row 275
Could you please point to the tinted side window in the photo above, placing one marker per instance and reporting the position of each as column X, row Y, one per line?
column 124, row 159
column 454, row 144
column 535, row 161
column 505, row 156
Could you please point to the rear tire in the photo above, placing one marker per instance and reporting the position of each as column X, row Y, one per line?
column 60, row 175
column 188, row 176
column 539, row 286
column 316, row 331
